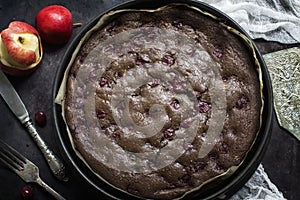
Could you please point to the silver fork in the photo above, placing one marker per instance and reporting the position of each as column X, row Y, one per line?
column 28, row 171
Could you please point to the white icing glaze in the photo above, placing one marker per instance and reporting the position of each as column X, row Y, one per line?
column 193, row 67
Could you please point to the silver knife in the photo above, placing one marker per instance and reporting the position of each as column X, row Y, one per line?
column 16, row 105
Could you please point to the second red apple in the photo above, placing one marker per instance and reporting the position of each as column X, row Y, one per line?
column 54, row 24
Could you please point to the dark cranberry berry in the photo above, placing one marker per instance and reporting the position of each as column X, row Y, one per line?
column 82, row 57
column 100, row 114
column 40, row 118
column 118, row 74
column 219, row 168
column 241, row 103
column 203, row 107
column 27, row 192
column 224, row 147
column 218, row 53
column 111, row 29
column 175, row 104
column 168, row 60
column 116, row 136
column 169, row 133
column 103, row 81
column 199, row 166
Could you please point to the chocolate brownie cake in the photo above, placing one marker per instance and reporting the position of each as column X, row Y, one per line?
column 159, row 103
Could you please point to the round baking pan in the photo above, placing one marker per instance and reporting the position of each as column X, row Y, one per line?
column 225, row 187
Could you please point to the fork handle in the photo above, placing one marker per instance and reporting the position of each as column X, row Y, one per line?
column 55, row 164
column 49, row 189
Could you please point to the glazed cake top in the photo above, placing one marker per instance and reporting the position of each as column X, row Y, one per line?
column 159, row 103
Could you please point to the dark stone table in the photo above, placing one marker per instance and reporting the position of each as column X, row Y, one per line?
column 281, row 161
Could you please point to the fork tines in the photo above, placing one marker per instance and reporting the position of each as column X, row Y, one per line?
column 11, row 158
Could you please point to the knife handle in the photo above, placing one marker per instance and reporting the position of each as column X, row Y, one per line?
column 55, row 164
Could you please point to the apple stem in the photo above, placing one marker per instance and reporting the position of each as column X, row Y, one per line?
column 77, row 24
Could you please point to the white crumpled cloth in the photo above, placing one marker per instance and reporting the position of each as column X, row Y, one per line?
column 272, row 20
column 259, row 187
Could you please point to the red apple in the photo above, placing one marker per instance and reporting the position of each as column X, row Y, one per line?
column 20, row 49
column 54, row 24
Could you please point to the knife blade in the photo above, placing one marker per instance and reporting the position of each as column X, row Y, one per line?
column 14, row 102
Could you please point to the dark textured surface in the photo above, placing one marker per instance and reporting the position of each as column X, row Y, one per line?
column 281, row 161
